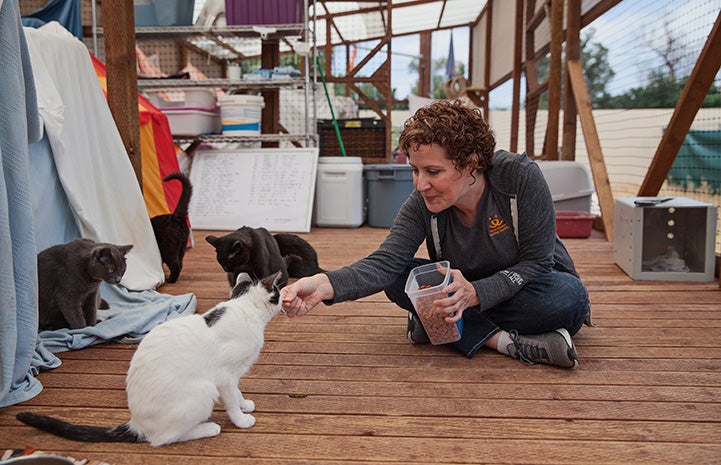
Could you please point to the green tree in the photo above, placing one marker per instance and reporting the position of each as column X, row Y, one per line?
column 596, row 69
column 662, row 91
column 438, row 69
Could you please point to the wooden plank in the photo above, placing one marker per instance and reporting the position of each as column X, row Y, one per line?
column 119, row 41
column 517, row 67
column 573, row 52
column 343, row 385
column 334, row 448
column 555, row 72
column 593, row 145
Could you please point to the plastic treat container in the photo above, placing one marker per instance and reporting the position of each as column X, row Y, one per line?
column 423, row 286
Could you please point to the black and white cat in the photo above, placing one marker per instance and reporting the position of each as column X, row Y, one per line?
column 69, row 277
column 172, row 231
column 256, row 251
column 182, row 367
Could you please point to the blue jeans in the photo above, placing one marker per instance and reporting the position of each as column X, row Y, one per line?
column 551, row 301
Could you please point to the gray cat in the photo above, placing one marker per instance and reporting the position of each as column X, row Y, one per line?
column 69, row 277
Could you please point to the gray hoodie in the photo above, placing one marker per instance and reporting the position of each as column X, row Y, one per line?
column 516, row 231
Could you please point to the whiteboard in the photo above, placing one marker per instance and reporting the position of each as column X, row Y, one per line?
column 269, row 188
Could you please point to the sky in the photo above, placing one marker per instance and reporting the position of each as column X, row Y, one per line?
column 402, row 79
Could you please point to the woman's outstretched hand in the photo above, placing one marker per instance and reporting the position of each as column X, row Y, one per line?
column 301, row 296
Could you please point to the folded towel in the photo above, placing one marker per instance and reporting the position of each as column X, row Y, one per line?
column 132, row 314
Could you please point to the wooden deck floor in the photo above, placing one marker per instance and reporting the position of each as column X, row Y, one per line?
column 343, row 386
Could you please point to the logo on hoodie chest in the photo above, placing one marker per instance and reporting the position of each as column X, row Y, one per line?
column 496, row 225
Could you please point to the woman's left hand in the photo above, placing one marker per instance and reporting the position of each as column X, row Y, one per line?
column 462, row 295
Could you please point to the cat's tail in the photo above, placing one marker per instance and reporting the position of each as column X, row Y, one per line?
column 85, row 433
column 181, row 209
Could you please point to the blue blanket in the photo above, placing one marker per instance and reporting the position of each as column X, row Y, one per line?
column 131, row 315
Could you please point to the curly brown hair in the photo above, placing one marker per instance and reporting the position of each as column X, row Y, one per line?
column 459, row 129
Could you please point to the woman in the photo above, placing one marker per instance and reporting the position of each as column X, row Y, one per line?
column 492, row 216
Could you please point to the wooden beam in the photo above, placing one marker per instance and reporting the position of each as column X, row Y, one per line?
column 573, row 52
column 119, row 41
column 688, row 105
column 425, row 65
column 270, row 58
column 593, row 145
column 531, row 81
column 517, row 67
column 554, row 80
column 487, row 64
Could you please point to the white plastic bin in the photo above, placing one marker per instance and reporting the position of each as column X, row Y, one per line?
column 199, row 97
column 192, row 121
column 570, row 184
column 339, row 196
column 240, row 114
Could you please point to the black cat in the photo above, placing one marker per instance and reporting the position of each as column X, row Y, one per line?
column 171, row 230
column 256, row 251
column 300, row 257
column 69, row 277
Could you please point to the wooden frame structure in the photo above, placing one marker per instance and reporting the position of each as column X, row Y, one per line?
column 526, row 20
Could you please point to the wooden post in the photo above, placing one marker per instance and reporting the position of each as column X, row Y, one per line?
column 517, row 65
column 554, row 80
column 119, row 41
column 425, row 65
column 573, row 52
column 270, row 58
column 593, row 145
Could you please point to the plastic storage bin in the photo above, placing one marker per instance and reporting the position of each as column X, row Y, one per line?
column 249, row 12
column 241, row 114
column 423, row 286
column 149, row 13
column 673, row 240
column 192, row 121
column 199, row 97
column 570, row 184
column 339, row 196
column 388, row 186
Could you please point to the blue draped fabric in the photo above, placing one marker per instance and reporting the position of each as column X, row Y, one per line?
column 18, row 266
column 66, row 12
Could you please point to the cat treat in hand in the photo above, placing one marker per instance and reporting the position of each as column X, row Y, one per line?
column 181, row 368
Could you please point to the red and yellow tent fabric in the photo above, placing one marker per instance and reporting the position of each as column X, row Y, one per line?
column 157, row 151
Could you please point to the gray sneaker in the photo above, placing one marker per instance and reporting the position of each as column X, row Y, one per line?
column 554, row 348
column 415, row 331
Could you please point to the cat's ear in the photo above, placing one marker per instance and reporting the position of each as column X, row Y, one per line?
column 243, row 278
column 124, row 249
column 212, row 240
column 269, row 282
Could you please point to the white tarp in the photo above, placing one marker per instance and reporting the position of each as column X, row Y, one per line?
column 91, row 160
